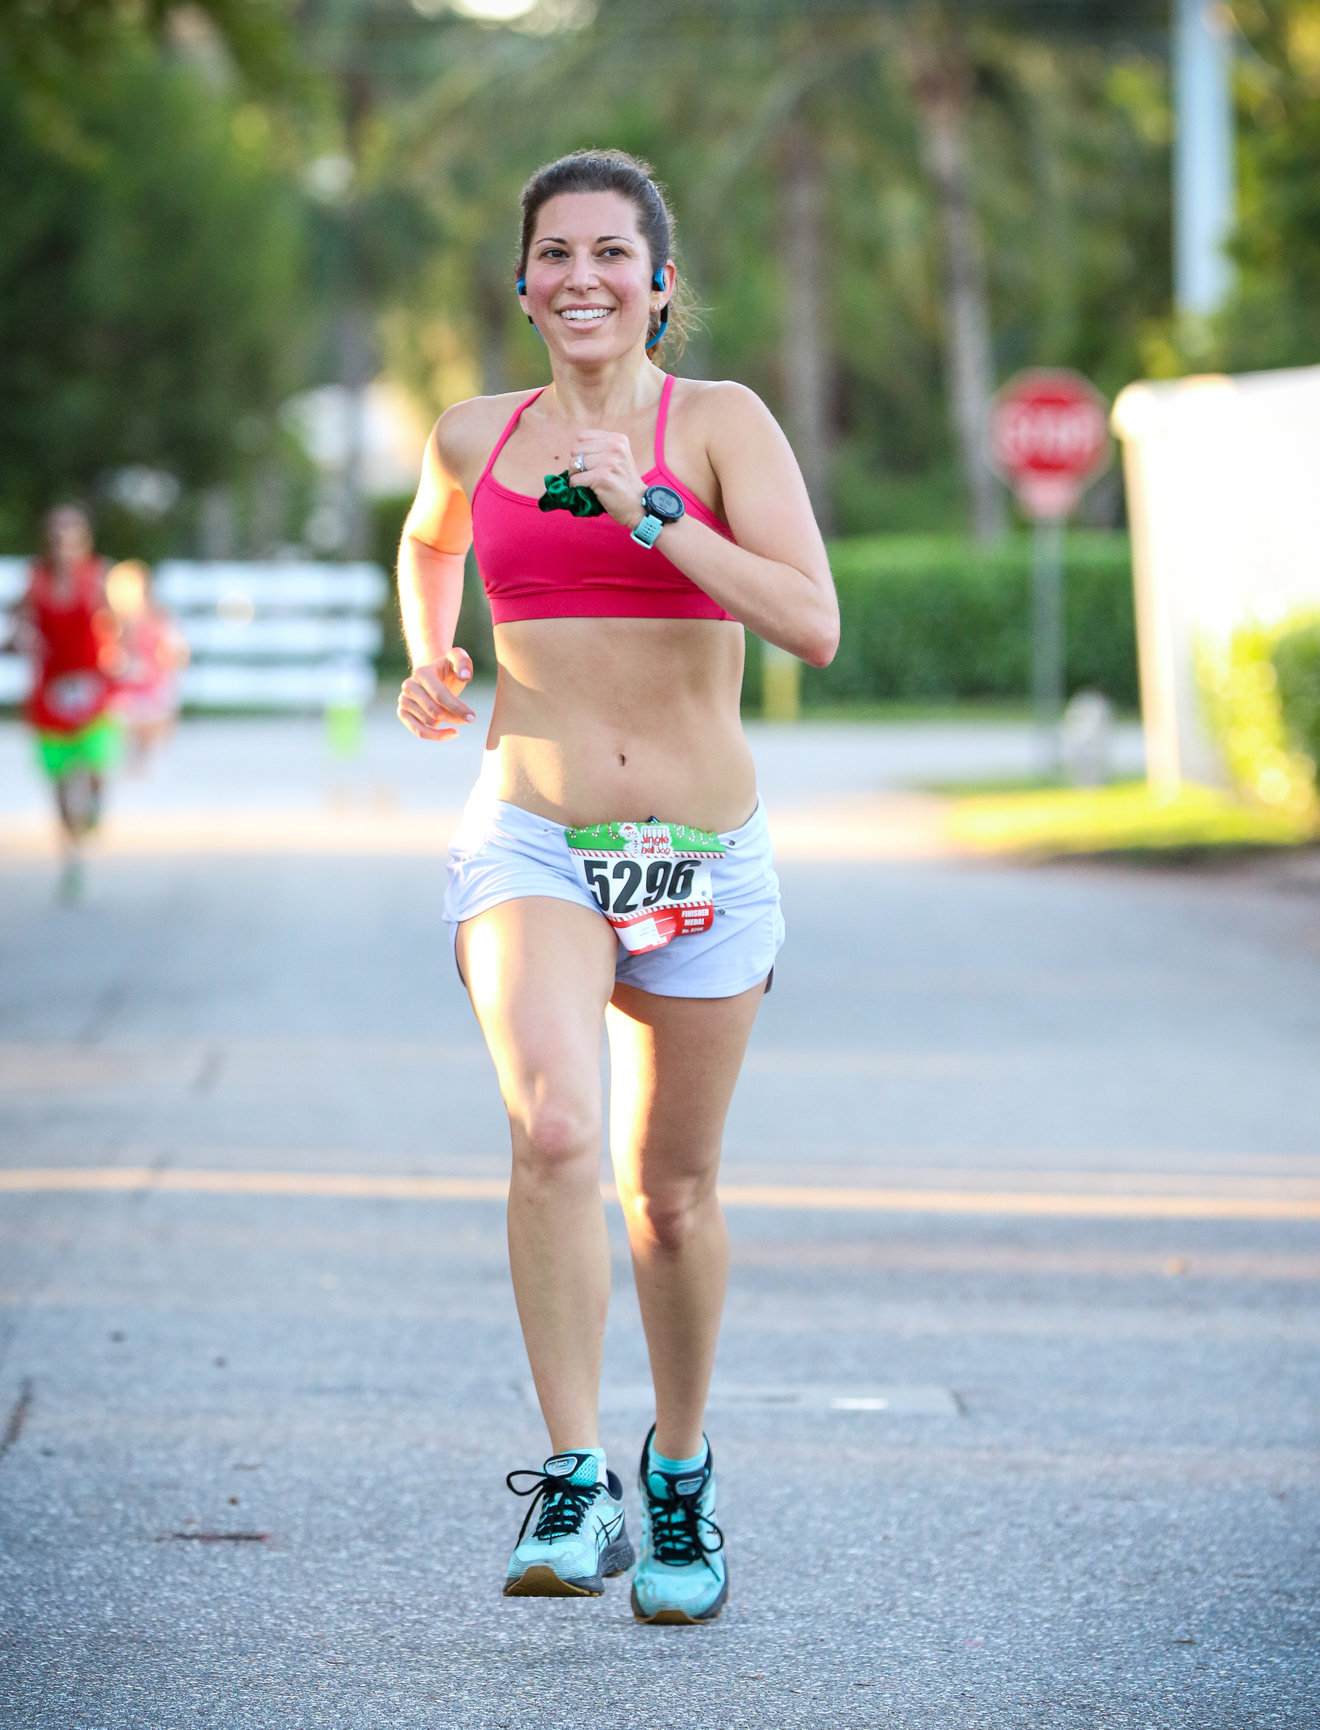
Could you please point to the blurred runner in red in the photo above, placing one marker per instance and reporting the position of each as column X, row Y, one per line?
column 66, row 628
column 151, row 654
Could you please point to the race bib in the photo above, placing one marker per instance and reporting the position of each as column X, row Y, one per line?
column 652, row 881
column 74, row 696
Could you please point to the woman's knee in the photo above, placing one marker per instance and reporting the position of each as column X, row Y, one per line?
column 667, row 1217
column 555, row 1133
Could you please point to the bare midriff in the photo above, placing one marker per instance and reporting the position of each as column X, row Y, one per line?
column 604, row 719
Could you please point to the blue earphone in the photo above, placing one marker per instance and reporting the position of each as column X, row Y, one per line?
column 657, row 283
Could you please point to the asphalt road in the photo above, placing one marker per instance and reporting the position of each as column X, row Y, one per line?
column 1017, row 1408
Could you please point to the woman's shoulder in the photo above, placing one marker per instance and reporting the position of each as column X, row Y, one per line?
column 718, row 402
column 468, row 430
column 728, row 420
column 713, row 391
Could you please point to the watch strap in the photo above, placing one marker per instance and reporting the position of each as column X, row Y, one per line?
column 647, row 530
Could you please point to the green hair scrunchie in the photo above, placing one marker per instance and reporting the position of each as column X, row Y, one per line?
column 560, row 495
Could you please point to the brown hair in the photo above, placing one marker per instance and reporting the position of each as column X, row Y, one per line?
column 613, row 171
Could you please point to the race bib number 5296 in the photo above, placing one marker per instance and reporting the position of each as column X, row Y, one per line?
column 652, row 881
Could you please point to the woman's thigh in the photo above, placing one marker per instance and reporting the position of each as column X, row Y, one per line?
column 539, row 972
column 674, row 1063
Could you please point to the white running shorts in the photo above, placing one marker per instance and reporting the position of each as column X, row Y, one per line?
column 501, row 852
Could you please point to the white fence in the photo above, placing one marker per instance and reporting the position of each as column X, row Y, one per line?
column 262, row 636
column 14, row 678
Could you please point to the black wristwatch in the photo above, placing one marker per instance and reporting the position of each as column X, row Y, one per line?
column 662, row 505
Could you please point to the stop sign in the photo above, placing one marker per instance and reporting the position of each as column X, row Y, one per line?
column 1049, row 438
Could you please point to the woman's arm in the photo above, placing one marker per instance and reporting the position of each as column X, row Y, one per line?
column 432, row 552
column 776, row 578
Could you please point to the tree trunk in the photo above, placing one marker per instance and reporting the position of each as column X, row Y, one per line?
column 494, row 298
column 942, row 85
column 805, row 354
column 357, row 365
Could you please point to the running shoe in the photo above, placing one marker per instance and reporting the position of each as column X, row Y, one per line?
column 579, row 1539
column 682, row 1576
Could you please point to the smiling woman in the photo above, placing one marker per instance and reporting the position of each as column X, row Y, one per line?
column 613, row 864
column 615, row 177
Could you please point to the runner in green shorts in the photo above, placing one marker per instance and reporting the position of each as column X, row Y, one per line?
column 94, row 750
column 68, row 632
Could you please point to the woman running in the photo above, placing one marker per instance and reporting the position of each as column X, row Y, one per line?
column 613, row 863
column 66, row 629
column 153, row 651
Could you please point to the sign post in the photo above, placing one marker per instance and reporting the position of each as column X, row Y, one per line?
column 1048, row 637
column 1049, row 439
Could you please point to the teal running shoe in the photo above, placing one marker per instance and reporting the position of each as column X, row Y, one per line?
column 579, row 1539
column 682, row 1576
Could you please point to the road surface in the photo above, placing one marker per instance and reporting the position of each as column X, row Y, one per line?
column 1016, row 1411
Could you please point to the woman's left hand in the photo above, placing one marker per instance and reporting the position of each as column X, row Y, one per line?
column 611, row 474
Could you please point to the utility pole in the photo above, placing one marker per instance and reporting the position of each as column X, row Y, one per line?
column 1204, row 178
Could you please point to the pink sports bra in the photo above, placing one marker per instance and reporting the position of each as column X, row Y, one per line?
column 552, row 565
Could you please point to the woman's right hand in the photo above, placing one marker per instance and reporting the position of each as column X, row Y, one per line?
column 431, row 703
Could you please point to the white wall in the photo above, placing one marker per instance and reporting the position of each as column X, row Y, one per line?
column 1223, row 483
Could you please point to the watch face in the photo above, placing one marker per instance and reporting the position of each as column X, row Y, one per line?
column 665, row 503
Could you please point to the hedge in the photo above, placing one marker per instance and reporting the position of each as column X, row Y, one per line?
column 1296, row 659
column 932, row 618
column 1260, row 690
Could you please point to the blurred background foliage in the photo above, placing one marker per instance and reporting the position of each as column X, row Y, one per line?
column 929, row 619
column 1260, row 689
column 1275, row 320
column 136, row 331
column 214, row 206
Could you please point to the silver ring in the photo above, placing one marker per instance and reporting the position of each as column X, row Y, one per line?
column 580, row 463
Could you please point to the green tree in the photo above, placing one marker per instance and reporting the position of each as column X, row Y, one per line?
column 164, row 213
column 45, row 39
column 151, row 291
column 1275, row 317
column 819, row 158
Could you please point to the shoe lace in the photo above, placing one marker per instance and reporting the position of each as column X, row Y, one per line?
column 677, row 1536
column 563, row 1504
